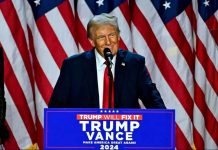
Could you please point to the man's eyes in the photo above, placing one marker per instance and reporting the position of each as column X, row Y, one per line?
column 103, row 37
column 100, row 37
column 112, row 34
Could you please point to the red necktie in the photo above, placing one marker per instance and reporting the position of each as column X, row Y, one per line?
column 108, row 99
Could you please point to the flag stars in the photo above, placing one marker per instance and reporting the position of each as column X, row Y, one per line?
column 100, row 2
column 109, row 111
column 37, row 2
column 206, row 3
column 166, row 5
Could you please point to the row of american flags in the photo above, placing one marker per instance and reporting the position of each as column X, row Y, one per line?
column 178, row 39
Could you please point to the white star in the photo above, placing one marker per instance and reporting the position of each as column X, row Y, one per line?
column 206, row 3
column 166, row 5
column 37, row 2
column 100, row 2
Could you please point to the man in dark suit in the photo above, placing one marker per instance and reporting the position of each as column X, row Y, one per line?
column 80, row 84
column 3, row 130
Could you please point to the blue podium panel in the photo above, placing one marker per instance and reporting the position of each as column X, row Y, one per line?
column 109, row 129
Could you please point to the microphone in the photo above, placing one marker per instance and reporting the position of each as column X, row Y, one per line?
column 108, row 56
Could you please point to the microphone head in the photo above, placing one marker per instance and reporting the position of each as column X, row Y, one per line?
column 108, row 54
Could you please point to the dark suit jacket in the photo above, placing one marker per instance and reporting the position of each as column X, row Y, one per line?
column 2, row 99
column 4, row 134
column 77, row 85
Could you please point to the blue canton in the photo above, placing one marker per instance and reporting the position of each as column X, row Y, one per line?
column 176, row 7
column 107, row 7
column 207, row 11
column 44, row 7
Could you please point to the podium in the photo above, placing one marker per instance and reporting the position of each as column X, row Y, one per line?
column 109, row 129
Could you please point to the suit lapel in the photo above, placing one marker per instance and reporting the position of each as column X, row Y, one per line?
column 92, row 82
column 119, row 75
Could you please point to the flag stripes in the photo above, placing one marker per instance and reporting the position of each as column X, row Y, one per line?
column 145, row 29
column 212, row 25
column 11, row 143
column 122, row 12
column 14, row 25
column 53, row 44
column 166, row 68
column 21, row 103
column 42, row 81
column 204, row 88
column 83, row 42
column 19, row 98
column 183, row 45
column 66, row 12
column 182, row 143
column 180, row 50
column 82, row 15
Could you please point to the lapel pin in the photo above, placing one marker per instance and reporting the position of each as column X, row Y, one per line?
column 123, row 64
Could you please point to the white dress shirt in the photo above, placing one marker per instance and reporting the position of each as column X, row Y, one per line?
column 100, row 74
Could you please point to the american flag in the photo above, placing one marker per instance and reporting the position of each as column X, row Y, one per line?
column 183, row 65
column 36, row 36
column 205, row 26
column 177, row 38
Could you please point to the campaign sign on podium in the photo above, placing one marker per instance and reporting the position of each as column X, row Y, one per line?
column 109, row 129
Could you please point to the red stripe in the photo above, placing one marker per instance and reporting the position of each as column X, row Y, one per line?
column 122, row 44
column 191, row 15
column 163, row 63
column 124, row 8
column 181, row 141
column 51, row 40
column 167, row 70
column 19, row 98
column 178, row 36
column 210, row 121
column 81, row 34
column 67, row 14
column 42, row 82
column 199, row 95
column 40, row 134
column 17, row 31
column 44, row 87
column 198, row 140
column 212, row 25
column 210, row 69
column 11, row 142
column 201, row 52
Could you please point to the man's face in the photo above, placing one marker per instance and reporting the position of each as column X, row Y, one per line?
column 105, row 36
